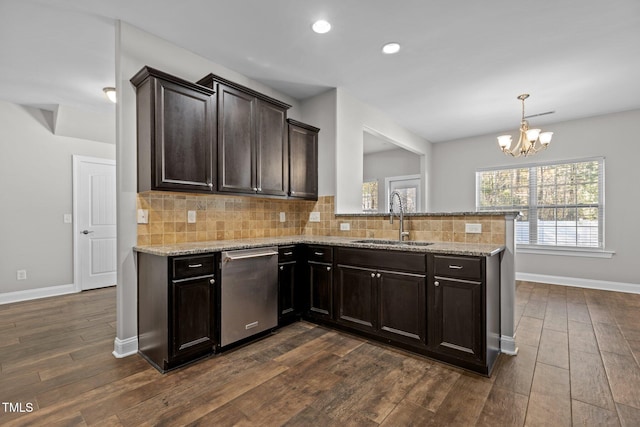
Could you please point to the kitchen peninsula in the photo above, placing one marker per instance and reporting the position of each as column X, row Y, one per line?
column 437, row 298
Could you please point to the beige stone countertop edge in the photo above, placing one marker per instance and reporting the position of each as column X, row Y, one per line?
column 227, row 245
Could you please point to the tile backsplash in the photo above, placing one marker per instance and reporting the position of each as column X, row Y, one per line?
column 220, row 217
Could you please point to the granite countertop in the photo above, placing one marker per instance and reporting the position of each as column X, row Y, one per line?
column 225, row 245
column 428, row 214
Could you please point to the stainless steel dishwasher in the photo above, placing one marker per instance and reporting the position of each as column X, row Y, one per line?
column 249, row 293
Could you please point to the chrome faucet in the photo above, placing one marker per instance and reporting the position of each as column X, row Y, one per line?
column 401, row 233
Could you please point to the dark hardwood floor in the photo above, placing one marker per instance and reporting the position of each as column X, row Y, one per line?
column 578, row 365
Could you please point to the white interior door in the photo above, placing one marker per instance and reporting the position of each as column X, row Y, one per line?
column 409, row 187
column 95, row 222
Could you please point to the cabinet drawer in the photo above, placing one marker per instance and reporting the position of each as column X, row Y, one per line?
column 193, row 266
column 320, row 253
column 382, row 259
column 287, row 253
column 459, row 267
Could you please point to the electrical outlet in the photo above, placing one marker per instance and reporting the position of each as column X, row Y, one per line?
column 314, row 217
column 191, row 217
column 283, row 217
column 143, row 216
column 21, row 274
column 67, row 218
column 473, row 228
column 345, row 226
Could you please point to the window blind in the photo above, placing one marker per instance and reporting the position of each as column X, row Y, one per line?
column 562, row 204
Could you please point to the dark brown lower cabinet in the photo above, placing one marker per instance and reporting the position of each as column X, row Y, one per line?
column 382, row 293
column 402, row 306
column 456, row 318
column 177, row 308
column 289, row 289
column 355, row 297
column 464, row 310
column 320, row 290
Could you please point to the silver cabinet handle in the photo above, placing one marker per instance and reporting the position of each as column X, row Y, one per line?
column 259, row 189
column 86, row 231
column 287, row 253
column 373, row 274
column 195, row 265
column 455, row 267
column 256, row 255
column 328, row 268
column 255, row 188
column 212, row 281
column 378, row 275
column 318, row 253
column 210, row 184
column 436, row 283
column 281, row 267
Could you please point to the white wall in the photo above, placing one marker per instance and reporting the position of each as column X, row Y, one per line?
column 36, row 180
column 320, row 111
column 385, row 164
column 613, row 136
column 135, row 49
column 353, row 117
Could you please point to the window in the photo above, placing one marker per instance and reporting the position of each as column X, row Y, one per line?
column 370, row 196
column 562, row 203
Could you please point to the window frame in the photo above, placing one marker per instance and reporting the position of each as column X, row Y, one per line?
column 532, row 208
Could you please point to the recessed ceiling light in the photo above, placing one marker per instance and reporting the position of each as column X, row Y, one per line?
column 391, row 48
column 321, row 26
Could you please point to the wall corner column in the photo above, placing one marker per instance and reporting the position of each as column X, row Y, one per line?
column 508, row 288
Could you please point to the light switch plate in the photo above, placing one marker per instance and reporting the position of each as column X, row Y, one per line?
column 143, row 216
column 21, row 275
column 67, row 218
column 314, row 217
column 283, row 217
column 191, row 217
column 345, row 226
column 473, row 228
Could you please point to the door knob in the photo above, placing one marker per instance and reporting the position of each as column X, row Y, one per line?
column 212, row 281
column 86, row 231
column 436, row 283
column 378, row 275
column 373, row 274
column 281, row 267
column 328, row 268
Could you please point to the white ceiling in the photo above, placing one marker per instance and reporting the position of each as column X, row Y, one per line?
column 460, row 68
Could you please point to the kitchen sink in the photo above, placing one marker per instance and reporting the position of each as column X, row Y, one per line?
column 392, row 242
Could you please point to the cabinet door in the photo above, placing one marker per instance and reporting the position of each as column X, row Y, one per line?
column 303, row 162
column 355, row 298
column 320, row 287
column 236, row 140
column 193, row 316
column 402, row 306
column 184, row 141
column 286, row 289
column 272, row 155
column 455, row 318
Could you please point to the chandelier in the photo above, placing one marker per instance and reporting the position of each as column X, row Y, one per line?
column 531, row 140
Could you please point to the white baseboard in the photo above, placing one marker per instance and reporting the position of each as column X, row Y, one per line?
column 633, row 288
column 508, row 345
column 126, row 347
column 31, row 294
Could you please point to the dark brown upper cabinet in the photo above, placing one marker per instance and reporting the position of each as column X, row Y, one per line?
column 176, row 132
column 303, row 160
column 252, row 140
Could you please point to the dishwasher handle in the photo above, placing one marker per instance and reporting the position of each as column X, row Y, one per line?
column 253, row 255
